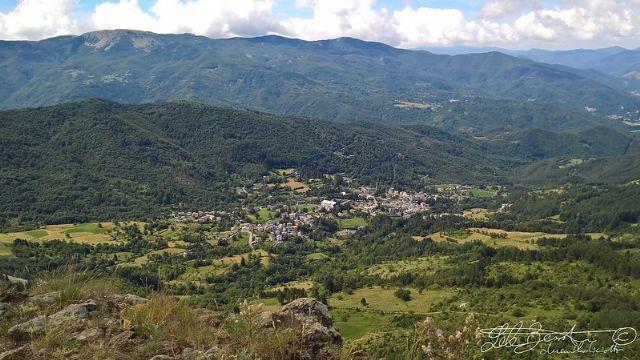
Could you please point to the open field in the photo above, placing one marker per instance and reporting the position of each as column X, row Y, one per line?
column 141, row 260
column 477, row 213
column 423, row 265
column 352, row 222
column 356, row 324
column 381, row 299
column 483, row 194
column 221, row 266
column 300, row 284
column 262, row 216
column 317, row 256
column 5, row 249
column 519, row 239
column 296, row 186
column 90, row 233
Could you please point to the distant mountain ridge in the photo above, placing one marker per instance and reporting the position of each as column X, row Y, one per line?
column 615, row 61
column 340, row 79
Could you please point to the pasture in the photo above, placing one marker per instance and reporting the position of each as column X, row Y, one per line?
column 499, row 238
column 352, row 222
column 90, row 233
column 384, row 299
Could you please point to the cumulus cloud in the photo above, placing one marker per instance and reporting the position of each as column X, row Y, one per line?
column 37, row 19
column 337, row 18
column 214, row 18
column 511, row 23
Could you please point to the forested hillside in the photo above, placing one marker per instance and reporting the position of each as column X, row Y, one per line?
column 97, row 159
column 333, row 79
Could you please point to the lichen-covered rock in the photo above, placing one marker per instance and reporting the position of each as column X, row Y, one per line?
column 38, row 325
column 89, row 335
column 74, row 311
column 121, row 340
column 27, row 329
column 312, row 321
column 48, row 298
column 129, row 299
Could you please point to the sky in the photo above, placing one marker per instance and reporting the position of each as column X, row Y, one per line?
column 514, row 24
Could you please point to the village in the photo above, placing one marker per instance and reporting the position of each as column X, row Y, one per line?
column 348, row 205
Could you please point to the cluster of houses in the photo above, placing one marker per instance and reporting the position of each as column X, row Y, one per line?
column 405, row 204
column 277, row 230
column 200, row 217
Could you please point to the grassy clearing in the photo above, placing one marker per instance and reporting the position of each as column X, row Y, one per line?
column 352, row 222
column 478, row 214
column 37, row 234
column 300, row 284
column 92, row 228
column 519, row 239
column 221, row 266
column 263, row 216
column 243, row 241
column 5, row 250
column 356, row 324
column 381, row 299
column 85, row 233
column 423, row 265
column 483, row 194
column 296, row 185
column 317, row 256
column 141, row 260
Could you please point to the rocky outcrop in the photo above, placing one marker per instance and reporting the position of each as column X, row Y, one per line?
column 310, row 319
column 39, row 324
column 100, row 322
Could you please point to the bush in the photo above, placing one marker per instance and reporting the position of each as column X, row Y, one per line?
column 403, row 294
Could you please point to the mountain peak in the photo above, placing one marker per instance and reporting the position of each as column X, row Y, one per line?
column 106, row 39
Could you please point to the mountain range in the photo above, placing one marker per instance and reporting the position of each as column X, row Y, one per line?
column 341, row 79
column 615, row 61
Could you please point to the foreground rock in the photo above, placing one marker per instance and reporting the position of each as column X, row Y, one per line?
column 39, row 324
column 100, row 323
column 311, row 319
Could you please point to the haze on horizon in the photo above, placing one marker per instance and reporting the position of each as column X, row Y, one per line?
column 512, row 24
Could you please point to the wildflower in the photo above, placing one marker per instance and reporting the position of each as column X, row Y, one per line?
column 439, row 332
column 428, row 350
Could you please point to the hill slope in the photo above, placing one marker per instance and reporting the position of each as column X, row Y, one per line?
column 97, row 160
column 333, row 79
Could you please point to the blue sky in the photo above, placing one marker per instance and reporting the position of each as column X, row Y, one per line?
column 517, row 24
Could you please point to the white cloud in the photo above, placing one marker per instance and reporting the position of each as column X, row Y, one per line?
column 510, row 23
column 37, row 19
column 337, row 18
column 214, row 18
column 503, row 8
